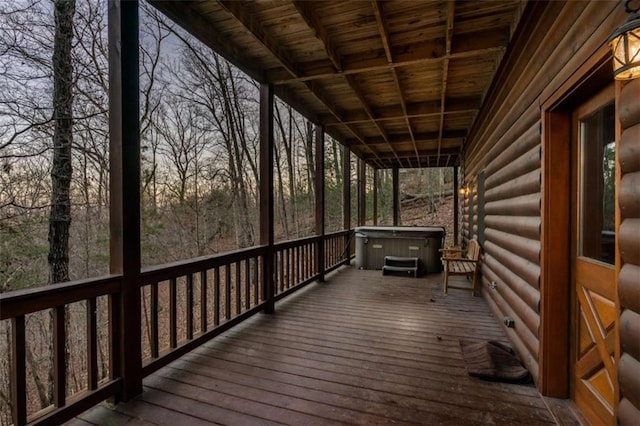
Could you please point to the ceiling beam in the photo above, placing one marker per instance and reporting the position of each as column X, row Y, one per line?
column 367, row 108
column 306, row 10
column 420, row 138
column 445, row 69
column 471, row 45
column 386, row 42
column 451, row 152
column 413, row 110
column 240, row 12
column 183, row 14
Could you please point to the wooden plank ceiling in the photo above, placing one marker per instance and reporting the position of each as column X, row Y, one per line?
column 399, row 82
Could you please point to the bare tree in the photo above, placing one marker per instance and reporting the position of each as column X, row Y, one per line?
column 61, row 170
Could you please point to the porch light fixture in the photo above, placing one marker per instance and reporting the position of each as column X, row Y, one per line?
column 625, row 43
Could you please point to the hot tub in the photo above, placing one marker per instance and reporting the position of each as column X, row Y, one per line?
column 373, row 243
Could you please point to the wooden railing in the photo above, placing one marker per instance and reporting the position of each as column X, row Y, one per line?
column 337, row 249
column 183, row 305
column 17, row 305
column 295, row 264
column 195, row 300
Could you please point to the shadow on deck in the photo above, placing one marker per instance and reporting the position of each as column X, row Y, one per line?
column 358, row 349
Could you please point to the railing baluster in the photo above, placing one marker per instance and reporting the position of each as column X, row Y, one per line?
column 298, row 274
column 310, row 262
column 114, row 336
column 287, row 268
column 189, row 302
column 155, row 339
column 306, row 259
column 238, row 288
column 227, row 290
column 281, row 265
column 303, row 262
column 216, row 296
column 59, row 361
column 173, row 313
column 287, row 278
column 203, row 301
column 92, row 343
column 18, row 371
column 247, row 285
column 292, row 278
column 332, row 261
column 336, row 254
column 256, row 293
column 313, row 248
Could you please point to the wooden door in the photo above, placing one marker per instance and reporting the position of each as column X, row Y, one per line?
column 595, row 316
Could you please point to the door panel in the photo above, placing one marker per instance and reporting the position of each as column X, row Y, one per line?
column 595, row 313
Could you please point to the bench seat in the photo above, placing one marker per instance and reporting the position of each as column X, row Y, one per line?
column 456, row 262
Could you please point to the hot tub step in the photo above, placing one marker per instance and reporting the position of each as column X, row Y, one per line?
column 400, row 264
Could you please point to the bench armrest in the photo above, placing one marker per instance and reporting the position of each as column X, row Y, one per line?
column 459, row 259
column 451, row 250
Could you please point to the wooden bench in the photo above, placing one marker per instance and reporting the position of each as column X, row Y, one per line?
column 456, row 262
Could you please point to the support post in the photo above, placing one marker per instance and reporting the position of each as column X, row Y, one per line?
column 124, row 210
column 456, row 207
column 375, row 197
column 346, row 196
column 362, row 192
column 396, row 195
column 266, row 194
column 320, row 200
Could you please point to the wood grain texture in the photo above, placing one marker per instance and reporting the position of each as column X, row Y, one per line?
column 629, row 249
column 346, row 65
column 358, row 349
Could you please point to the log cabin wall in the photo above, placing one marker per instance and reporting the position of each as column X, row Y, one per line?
column 474, row 209
column 629, row 246
column 505, row 144
column 464, row 218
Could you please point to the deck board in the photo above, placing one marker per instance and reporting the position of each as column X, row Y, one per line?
column 358, row 349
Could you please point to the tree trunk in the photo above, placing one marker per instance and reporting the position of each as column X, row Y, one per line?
column 337, row 163
column 283, row 207
column 60, row 216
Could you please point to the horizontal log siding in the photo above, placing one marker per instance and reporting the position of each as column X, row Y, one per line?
column 506, row 144
column 464, row 218
column 629, row 246
column 512, row 261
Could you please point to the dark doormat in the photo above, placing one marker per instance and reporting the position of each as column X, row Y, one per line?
column 493, row 361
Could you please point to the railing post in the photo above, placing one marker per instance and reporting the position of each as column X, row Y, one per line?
column 346, row 196
column 319, row 193
column 455, row 206
column 18, row 373
column 375, row 197
column 266, row 193
column 362, row 192
column 124, row 146
column 395, row 178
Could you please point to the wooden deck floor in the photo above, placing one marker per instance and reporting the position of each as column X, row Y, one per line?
column 358, row 349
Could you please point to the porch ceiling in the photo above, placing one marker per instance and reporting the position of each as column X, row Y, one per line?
column 400, row 82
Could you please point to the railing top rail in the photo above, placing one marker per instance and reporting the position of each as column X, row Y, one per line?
column 337, row 233
column 166, row 271
column 22, row 302
column 295, row 243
